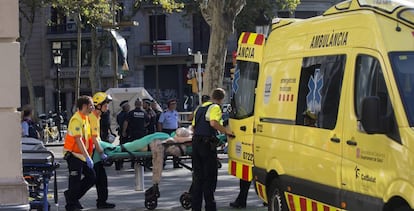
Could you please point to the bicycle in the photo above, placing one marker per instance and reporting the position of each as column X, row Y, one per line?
column 50, row 132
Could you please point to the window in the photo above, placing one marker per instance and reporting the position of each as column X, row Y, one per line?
column 402, row 65
column 320, row 90
column 69, row 54
column 157, row 27
column 369, row 81
column 243, row 89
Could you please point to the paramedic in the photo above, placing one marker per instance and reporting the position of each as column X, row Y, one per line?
column 77, row 152
column 100, row 101
column 206, row 123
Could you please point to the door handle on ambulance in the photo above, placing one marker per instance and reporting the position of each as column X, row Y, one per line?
column 243, row 128
column 352, row 143
column 335, row 139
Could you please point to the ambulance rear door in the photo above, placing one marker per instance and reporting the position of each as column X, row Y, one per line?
column 240, row 149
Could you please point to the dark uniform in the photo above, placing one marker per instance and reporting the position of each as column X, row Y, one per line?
column 152, row 117
column 105, row 125
column 120, row 118
column 204, row 160
column 137, row 124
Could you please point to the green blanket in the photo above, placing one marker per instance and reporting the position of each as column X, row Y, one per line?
column 132, row 146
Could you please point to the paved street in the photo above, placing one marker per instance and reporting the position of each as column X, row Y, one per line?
column 174, row 182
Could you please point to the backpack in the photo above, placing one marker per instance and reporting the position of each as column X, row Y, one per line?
column 32, row 129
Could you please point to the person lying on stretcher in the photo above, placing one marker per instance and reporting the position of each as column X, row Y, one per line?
column 177, row 145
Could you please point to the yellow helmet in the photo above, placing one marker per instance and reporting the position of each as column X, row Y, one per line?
column 101, row 98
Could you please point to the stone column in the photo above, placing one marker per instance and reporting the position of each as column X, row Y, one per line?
column 13, row 188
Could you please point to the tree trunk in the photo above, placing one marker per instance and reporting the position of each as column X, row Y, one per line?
column 24, row 40
column 92, row 71
column 220, row 15
column 79, row 59
column 214, row 71
column 29, row 83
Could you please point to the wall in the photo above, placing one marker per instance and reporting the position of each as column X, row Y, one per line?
column 13, row 189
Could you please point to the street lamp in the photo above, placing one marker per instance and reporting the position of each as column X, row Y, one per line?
column 57, row 60
column 262, row 23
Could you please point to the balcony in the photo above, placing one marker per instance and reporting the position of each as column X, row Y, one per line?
column 146, row 49
column 69, row 28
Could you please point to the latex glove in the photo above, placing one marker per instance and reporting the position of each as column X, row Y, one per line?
column 89, row 162
column 104, row 156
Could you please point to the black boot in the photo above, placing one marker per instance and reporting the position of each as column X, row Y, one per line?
column 236, row 204
column 105, row 205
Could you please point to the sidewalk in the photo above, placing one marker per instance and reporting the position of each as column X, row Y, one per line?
column 174, row 182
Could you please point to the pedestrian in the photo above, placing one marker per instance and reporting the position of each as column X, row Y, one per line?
column 77, row 152
column 28, row 126
column 120, row 119
column 100, row 101
column 206, row 123
column 241, row 199
column 152, row 116
column 168, row 123
column 135, row 124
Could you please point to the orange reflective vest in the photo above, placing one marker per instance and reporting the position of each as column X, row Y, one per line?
column 79, row 126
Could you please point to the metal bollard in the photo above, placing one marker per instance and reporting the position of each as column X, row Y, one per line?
column 139, row 177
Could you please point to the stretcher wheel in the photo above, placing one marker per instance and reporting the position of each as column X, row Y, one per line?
column 185, row 200
column 151, row 204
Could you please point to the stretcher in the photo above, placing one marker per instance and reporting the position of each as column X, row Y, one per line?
column 39, row 167
column 133, row 151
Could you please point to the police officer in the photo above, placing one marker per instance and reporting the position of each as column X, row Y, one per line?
column 206, row 123
column 120, row 119
column 100, row 101
column 136, row 123
column 168, row 123
column 77, row 152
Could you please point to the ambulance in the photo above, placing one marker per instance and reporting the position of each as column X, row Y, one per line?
column 248, row 58
column 332, row 110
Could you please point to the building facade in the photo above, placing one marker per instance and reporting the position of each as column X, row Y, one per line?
column 162, row 70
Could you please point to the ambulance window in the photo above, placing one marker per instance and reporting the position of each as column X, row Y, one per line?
column 369, row 81
column 243, row 89
column 402, row 66
column 320, row 90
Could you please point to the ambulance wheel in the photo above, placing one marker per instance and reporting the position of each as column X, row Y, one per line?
column 151, row 204
column 185, row 200
column 276, row 200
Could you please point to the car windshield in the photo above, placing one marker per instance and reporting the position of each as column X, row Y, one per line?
column 243, row 89
column 403, row 68
column 386, row 5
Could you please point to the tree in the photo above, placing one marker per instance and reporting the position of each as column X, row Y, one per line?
column 28, row 10
column 93, row 13
column 221, row 15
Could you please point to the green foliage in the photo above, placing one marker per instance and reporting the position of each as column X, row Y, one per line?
column 289, row 5
column 245, row 21
column 95, row 12
column 167, row 5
